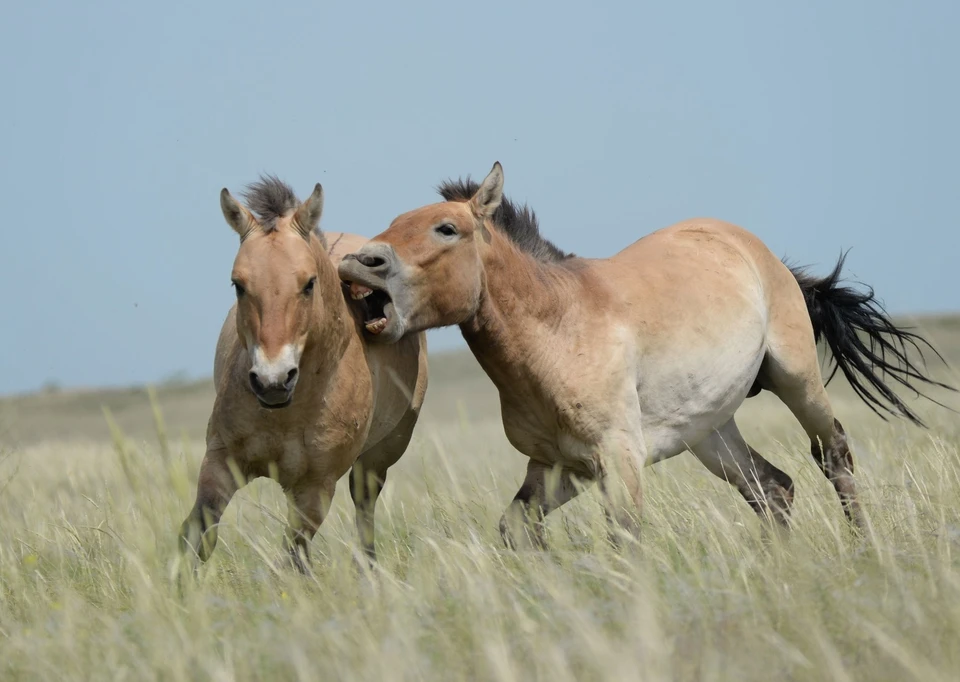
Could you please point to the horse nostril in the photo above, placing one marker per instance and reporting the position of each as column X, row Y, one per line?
column 291, row 377
column 255, row 383
column 371, row 261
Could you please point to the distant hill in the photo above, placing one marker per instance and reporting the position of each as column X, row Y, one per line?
column 458, row 388
column 56, row 415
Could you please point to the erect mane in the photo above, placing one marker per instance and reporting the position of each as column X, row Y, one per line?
column 518, row 223
column 270, row 199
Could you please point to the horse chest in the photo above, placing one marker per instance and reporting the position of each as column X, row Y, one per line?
column 554, row 434
column 289, row 452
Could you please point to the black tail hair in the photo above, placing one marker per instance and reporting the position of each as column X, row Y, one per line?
column 843, row 316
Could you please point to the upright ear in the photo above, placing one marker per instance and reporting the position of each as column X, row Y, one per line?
column 236, row 215
column 307, row 218
column 490, row 194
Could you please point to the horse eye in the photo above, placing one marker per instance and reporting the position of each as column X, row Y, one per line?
column 447, row 230
column 239, row 288
column 308, row 289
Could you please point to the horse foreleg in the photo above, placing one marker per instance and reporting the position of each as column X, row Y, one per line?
column 621, row 464
column 307, row 504
column 219, row 480
column 543, row 490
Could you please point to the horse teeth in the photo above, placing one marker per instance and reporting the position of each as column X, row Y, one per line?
column 358, row 291
column 376, row 326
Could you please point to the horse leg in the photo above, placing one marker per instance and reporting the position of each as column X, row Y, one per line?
column 543, row 490
column 766, row 489
column 828, row 442
column 797, row 381
column 836, row 463
column 369, row 474
column 365, row 487
column 216, row 486
column 621, row 462
column 307, row 506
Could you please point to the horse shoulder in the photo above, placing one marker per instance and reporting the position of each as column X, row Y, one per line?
column 335, row 430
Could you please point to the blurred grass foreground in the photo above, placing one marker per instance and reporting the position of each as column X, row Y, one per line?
column 89, row 518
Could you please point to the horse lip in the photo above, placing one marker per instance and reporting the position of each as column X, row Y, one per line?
column 276, row 406
column 352, row 271
column 393, row 331
column 389, row 314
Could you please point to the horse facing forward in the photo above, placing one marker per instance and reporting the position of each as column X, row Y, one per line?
column 606, row 365
column 300, row 395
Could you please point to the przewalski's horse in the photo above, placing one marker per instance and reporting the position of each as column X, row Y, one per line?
column 300, row 395
column 606, row 365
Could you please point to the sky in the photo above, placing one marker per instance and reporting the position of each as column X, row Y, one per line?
column 819, row 126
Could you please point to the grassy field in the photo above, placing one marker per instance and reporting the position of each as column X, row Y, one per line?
column 88, row 525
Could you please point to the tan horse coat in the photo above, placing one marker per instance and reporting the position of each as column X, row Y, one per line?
column 343, row 402
column 607, row 365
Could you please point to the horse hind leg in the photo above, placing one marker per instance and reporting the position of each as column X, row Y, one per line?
column 802, row 391
column 836, row 463
column 767, row 489
column 828, row 445
column 365, row 488
column 369, row 475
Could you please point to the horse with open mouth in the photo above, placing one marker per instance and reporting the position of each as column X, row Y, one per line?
column 607, row 365
column 300, row 396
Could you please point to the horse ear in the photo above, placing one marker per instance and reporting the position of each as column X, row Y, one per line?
column 308, row 215
column 237, row 216
column 490, row 194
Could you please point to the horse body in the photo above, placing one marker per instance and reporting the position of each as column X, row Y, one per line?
column 605, row 366
column 655, row 328
column 342, row 404
column 703, row 318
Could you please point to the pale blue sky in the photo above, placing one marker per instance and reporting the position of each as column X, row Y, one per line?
column 818, row 125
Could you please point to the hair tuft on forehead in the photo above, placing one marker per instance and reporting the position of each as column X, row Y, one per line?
column 270, row 199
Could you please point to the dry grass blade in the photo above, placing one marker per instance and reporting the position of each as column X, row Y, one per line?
column 88, row 544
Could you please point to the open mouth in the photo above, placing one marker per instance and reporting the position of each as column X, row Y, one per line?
column 374, row 303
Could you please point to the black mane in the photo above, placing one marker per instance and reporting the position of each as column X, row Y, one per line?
column 518, row 223
column 270, row 198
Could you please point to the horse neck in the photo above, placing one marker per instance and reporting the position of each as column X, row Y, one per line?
column 330, row 335
column 522, row 307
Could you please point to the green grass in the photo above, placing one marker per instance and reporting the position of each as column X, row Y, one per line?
column 88, row 552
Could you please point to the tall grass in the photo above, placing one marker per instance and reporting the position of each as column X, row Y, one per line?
column 88, row 556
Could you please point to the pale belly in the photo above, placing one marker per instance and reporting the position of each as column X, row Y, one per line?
column 682, row 406
column 670, row 392
column 679, row 407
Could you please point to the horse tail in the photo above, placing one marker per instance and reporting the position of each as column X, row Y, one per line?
column 865, row 344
